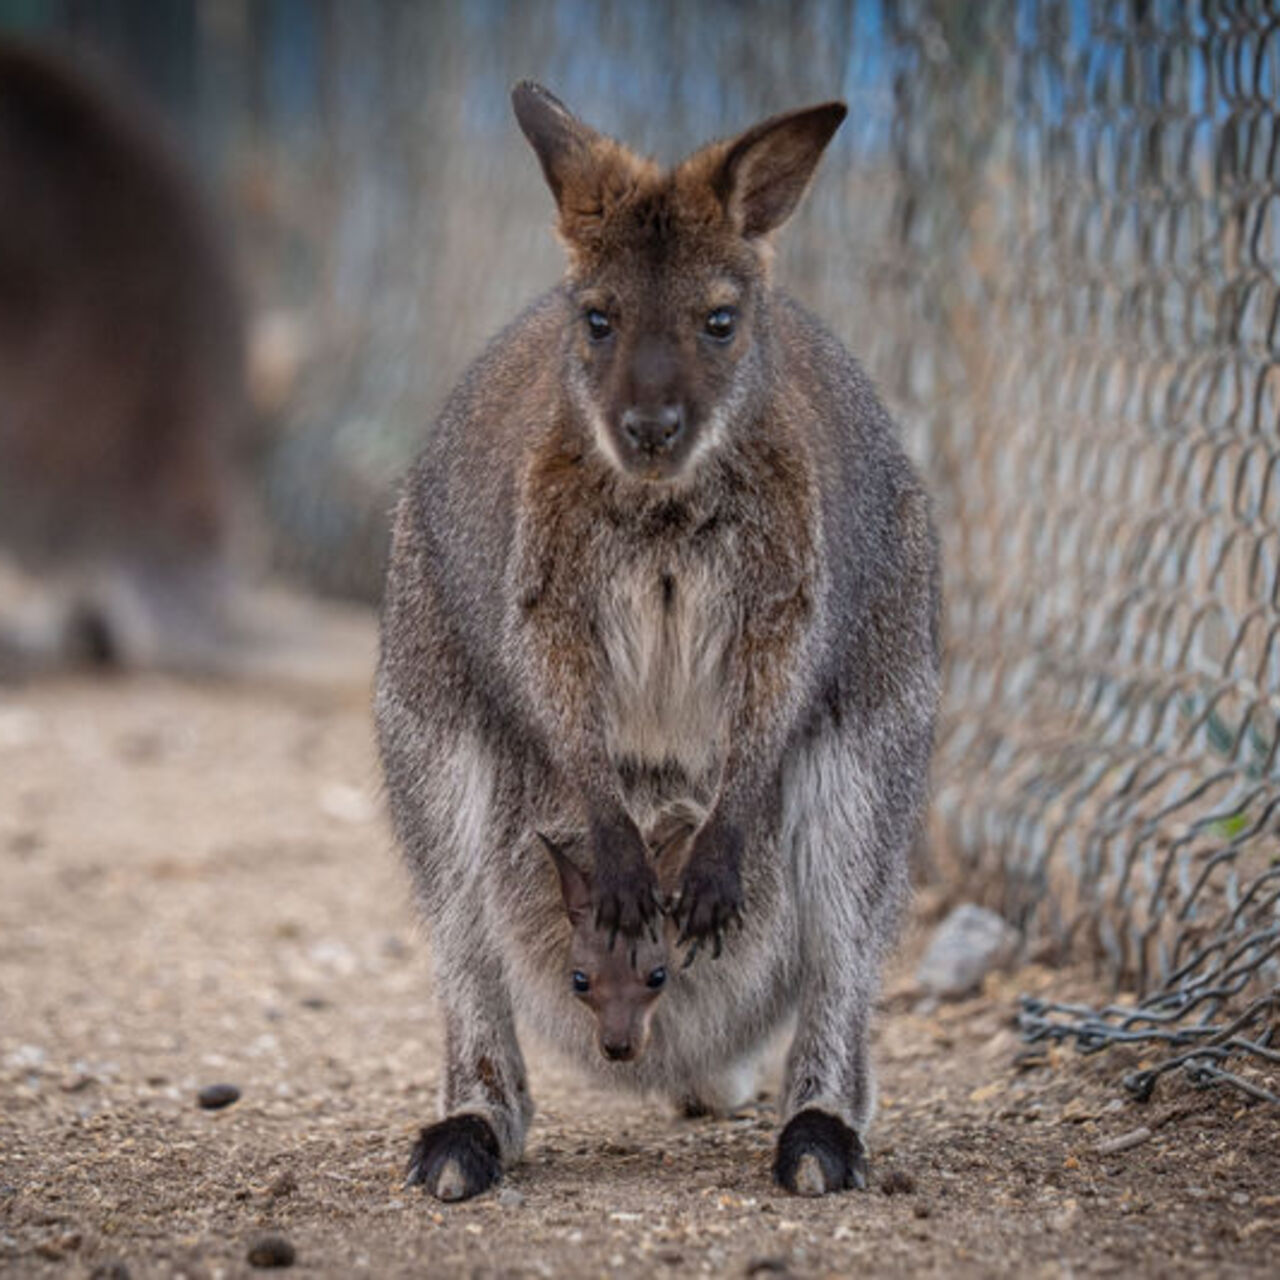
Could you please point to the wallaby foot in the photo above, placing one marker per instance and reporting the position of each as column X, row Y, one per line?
column 625, row 887
column 818, row 1154
column 456, row 1159
column 711, row 893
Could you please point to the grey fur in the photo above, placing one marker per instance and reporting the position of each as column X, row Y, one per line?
column 485, row 741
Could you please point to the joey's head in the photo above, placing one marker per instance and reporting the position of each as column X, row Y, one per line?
column 667, row 349
column 621, row 983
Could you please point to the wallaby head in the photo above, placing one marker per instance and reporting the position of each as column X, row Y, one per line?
column 619, row 981
column 668, row 274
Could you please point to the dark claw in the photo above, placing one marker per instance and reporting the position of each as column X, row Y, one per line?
column 692, row 953
column 685, row 935
column 710, row 899
column 625, row 891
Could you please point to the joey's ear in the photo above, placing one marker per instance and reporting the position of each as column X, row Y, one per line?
column 765, row 171
column 672, row 843
column 563, row 143
column 575, row 886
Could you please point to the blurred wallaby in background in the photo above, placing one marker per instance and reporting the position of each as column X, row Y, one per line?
column 662, row 548
column 123, row 422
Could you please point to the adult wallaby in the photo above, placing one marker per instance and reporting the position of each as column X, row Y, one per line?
column 662, row 548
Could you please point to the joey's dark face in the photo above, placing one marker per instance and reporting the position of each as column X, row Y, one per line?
column 620, row 986
column 661, row 353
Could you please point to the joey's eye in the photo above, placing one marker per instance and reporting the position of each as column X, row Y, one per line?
column 581, row 983
column 657, row 978
column 598, row 325
column 720, row 323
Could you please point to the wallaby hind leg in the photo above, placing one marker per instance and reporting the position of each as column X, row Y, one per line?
column 828, row 1098
column 850, row 865
column 485, row 1096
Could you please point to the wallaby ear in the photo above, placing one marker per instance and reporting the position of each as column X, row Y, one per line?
column 591, row 176
column 671, row 843
column 575, row 886
column 562, row 142
column 765, row 171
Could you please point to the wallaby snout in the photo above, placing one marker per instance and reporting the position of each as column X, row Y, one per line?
column 617, row 1050
column 652, row 434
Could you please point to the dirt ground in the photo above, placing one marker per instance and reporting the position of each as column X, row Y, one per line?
column 198, row 887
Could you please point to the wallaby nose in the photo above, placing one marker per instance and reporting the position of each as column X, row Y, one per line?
column 653, row 433
column 617, row 1050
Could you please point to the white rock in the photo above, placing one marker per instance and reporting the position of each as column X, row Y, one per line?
column 964, row 948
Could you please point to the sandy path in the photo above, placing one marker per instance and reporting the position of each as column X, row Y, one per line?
column 196, row 885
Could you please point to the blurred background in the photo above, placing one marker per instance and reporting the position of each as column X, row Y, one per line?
column 1051, row 231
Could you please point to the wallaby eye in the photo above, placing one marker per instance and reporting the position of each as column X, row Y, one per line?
column 598, row 325
column 581, row 983
column 720, row 323
column 657, row 978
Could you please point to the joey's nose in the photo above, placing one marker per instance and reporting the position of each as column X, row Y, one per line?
column 617, row 1050
column 653, row 432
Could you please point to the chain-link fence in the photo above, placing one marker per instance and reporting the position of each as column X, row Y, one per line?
column 1051, row 229
column 1109, row 433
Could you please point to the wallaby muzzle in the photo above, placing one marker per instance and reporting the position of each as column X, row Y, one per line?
column 653, row 434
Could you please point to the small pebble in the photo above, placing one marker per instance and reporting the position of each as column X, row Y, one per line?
column 271, row 1251
column 284, row 1184
column 213, row 1097
column 964, row 948
column 510, row 1198
column 921, row 1209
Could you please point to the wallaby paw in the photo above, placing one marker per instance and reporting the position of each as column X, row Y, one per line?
column 711, row 895
column 818, row 1154
column 625, row 890
column 456, row 1159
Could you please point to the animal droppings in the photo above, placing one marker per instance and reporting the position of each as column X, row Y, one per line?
column 214, row 1097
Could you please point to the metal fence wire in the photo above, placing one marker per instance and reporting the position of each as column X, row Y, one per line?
column 1106, row 437
column 1050, row 229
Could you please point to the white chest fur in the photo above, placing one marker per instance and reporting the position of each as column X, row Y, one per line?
column 667, row 633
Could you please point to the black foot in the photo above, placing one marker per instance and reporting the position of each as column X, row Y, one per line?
column 456, row 1159
column 625, row 888
column 711, row 893
column 817, row 1154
